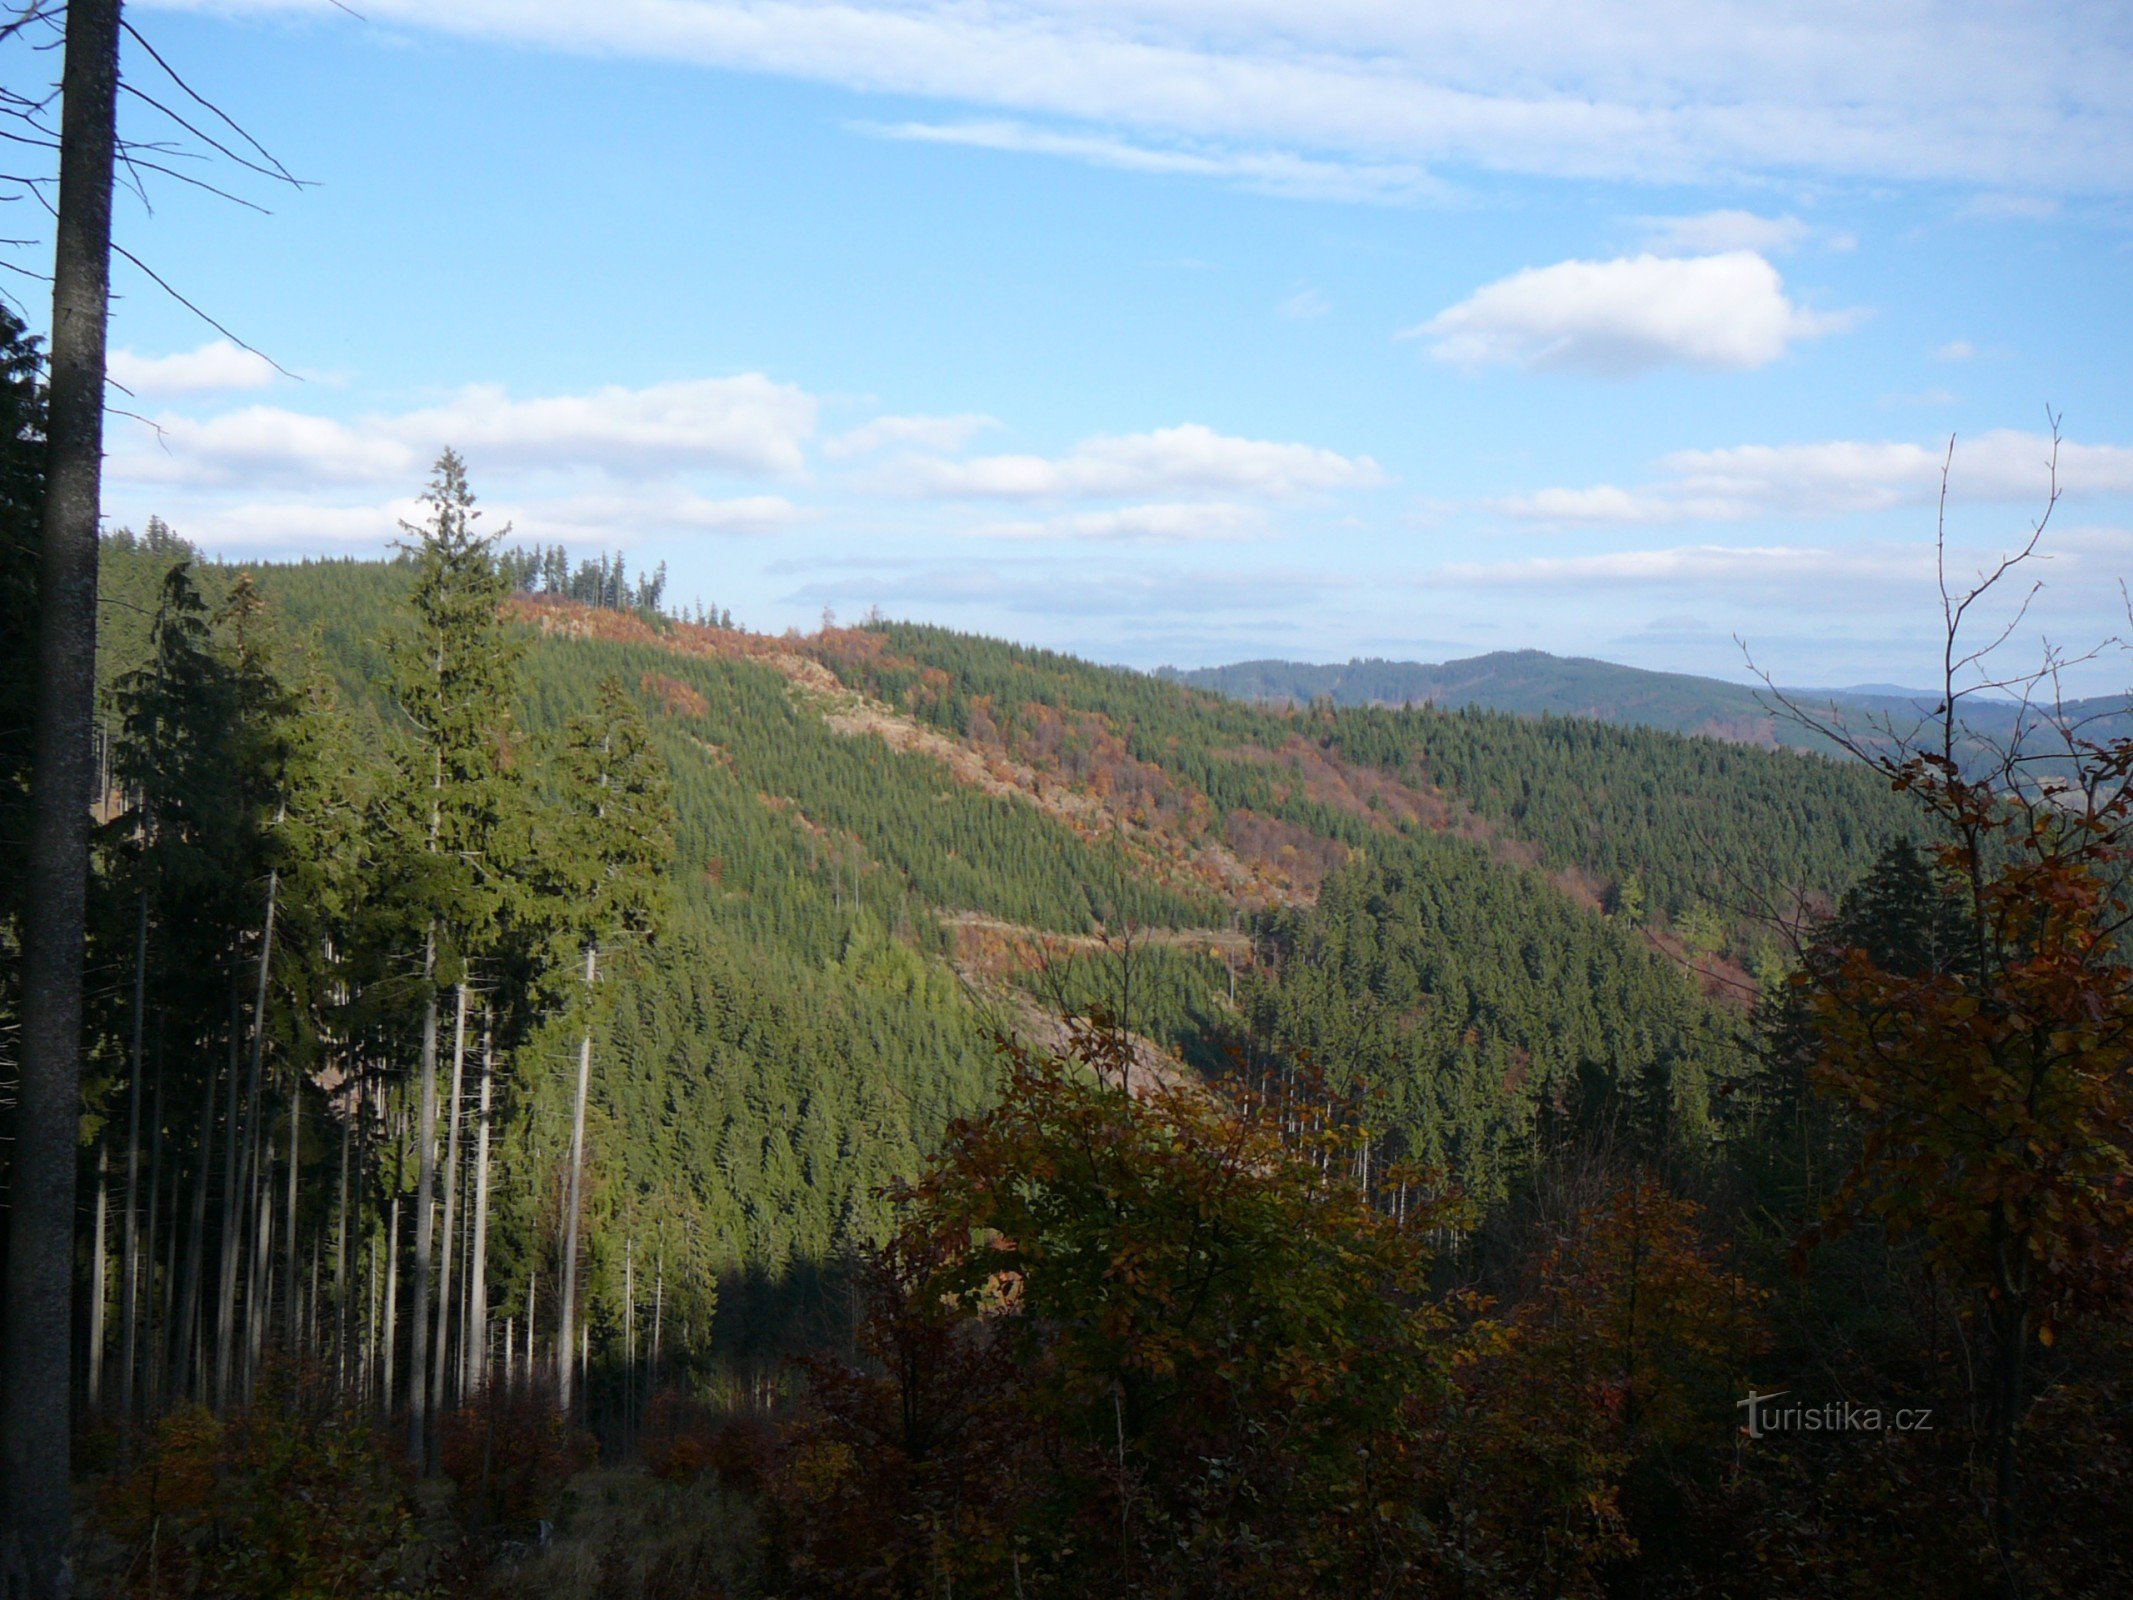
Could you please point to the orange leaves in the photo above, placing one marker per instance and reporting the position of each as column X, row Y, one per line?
column 1213, row 1354
column 277, row 1502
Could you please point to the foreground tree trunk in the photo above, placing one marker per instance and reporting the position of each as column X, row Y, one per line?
column 35, row 1421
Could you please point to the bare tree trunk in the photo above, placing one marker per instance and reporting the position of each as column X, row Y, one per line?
column 260, row 1290
column 296, row 1124
column 389, row 1389
column 370, row 1324
column 571, row 1206
column 418, row 1370
column 155, row 1217
column 340, row 1257
column 130, row 1250
column 36, row 1436
column 441, row 1356
column 477, row 1334
column 183, row 1325
column 98, row 1272
column 236, row 1157
column 388, row 1377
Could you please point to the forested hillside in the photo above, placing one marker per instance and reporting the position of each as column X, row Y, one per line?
column 505, row 991
column 888, row 840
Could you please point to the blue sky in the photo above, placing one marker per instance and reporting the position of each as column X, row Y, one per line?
column 1172, row 330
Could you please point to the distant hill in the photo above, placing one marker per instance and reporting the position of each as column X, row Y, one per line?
column 1535, row 683
column 1524, row 682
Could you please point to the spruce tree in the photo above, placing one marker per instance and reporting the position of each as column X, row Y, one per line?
column 613, row 837
column 453, row 678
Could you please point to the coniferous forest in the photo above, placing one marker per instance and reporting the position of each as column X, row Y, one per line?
column 516, row 1082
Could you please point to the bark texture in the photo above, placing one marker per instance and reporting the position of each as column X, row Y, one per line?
column 35, row 1440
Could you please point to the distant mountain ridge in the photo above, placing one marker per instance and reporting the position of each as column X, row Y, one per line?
column 1536, row 683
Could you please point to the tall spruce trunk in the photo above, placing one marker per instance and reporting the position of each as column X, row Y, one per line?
column 477, row 1327
column 289, row 1251
column 130, row 1251
column 388, row 1367
column 236, row 1157
column 155, row 1218
column 259, row 1290
column 340, row 1256
column 567, row 1322
column 184, row 1324
column 99, row 1271
column 418, row 1367
column 440, row 1395
column 36, row 1439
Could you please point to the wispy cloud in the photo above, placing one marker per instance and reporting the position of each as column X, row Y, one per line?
column 1189, row 457
column 1715, row 232
column 1963, row 91
column 750, row 425
column 913, row 432
column 1268, row 171
column 214, row 368
column 1616, row 318
column 1306, row 305
column 1836, row 477
column 1733, row 569
column 1188, row 523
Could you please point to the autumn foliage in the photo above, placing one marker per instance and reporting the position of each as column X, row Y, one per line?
column 1171, row 1345
column 278, row 1501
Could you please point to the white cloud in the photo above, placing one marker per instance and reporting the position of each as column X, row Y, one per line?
column 1601, row 504
column 1715, row 232
column 920, row 433
column 1306, row 305
column 632, row 517
column 1835, row 478
column 1267, row 171
column 1955, row 350
column 2010, row 208
column 259, row 446
column 1143, row 524
column 1166, row 461
column 745, row 424
column 748, row 425
column 218, row 366
column 1969, row 91
column 1702, row 566
column 1624, row 316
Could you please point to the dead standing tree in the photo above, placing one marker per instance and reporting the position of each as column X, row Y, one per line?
column 37, row 1320
column 34, row 1420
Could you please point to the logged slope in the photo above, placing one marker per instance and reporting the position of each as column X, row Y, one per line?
column 891, row 838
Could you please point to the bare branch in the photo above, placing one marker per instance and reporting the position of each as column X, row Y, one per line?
column 119, row 249
column 171, row 72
